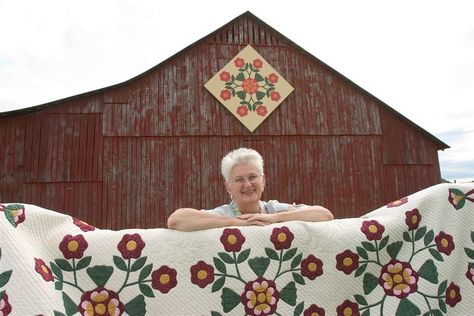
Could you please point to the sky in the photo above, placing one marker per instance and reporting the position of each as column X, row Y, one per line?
column 416, row 56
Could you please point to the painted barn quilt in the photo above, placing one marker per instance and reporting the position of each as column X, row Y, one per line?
column 414, row 256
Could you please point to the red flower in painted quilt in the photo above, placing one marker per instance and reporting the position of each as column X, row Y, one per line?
column 282, row 237
column 257, row 63
column 73, row 246
column 250, row 85
column 262, row 110
column 2, row 208
column 83, row 225
column 444, row 243
column 131, row 246
column 275, row 96
column 163, row 279
column 314, row 310
column 100, row 301
column 226, row 94
column 348, row 308
column 43, row 270
column 5, row 307
column 260, row 297
column 453, row 295
column 413, row 219
column 225, row 76
column 232, row 239
column 372, row 230
column 470, row 273
column 347, row 261
column 239, row 62
column 273, row 78
column 311, row 267
column 398, row 279
column 202, row 274
column 398, row 202
column 242, row 111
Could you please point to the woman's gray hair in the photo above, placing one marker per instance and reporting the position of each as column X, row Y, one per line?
column 241, row 156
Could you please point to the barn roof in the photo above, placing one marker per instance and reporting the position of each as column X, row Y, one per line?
column 440, row 144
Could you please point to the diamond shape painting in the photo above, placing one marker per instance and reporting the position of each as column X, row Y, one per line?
column 249, row 88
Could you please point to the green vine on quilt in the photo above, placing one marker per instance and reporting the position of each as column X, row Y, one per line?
column 130, row 265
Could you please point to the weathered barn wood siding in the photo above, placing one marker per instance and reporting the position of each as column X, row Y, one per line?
column 128, row 155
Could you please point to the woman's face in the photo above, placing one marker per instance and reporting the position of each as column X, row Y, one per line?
column 245, row 184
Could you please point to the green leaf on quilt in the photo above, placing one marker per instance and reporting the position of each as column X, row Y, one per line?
column 368, row 246
column 213, row 313
column 298, row 278
column 136, row 307
column 435, row 253
column 259, row 265
column 10, row 210
column 138, row 264
column 394, row 248
column 472, row 236
column 145, row 272
column 243, row 256
column 407, row 308
column 288, row 293
column 5, row 277
column 229, row 299
column 469, row 252
column 56, row 313
column 442, row 305
column 433, row 312
column 296, row 260
column 56, row 270
column 272, row 254
column 298, row 309
column 226, row 257
column 362, row 253
column 146, row 290
column 69, row 306
column 58, row 285
column 420, row 232
column 429, row 272
column 442, row 287
column 406, row 236
column 370, row 283
column 240, row 77
column 64, row 264
column 360, row 300
column 366, row 312
column 83, row 263
column 120, row 263
column 100, row 274
column 384, row 242
column 290, row 254
column 360, row 270
column 1, row 294
column 218, row 284
column 220, row 266
column 428, row 237
column 258, row 77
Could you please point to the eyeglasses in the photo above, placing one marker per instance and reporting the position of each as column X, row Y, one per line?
column 252, row 178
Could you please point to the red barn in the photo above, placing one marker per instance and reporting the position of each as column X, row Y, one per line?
column 129, row 154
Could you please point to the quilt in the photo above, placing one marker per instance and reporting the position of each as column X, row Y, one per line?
column 414, row 256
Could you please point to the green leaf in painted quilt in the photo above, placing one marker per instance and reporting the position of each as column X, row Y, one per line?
column 83, row 263
column 100, row 274
column 56, row 270
column 145, row 272
column 138, row 264
column 407, row 308
column 243, row 256
column 469, row 252
column 420, row 232
column 69, row 305
column 368, row 246
column 58, row 285
column 290, row 254
column 258, row 77
column 1, row 294
column 362, row 253
column 136, row 307
column 241, row 94
column 5, row 277
column 272, row 254
column 240, row 77
column 370, row 283
column 360, row 300
column 259, row 265
column 120, row 263
column 218, row 284
column 406, row 236
column 428, row 237
column 213, row 313
column 146, row 290
column 260, row 95
column 360, row 270
column 64, row 264
column 56, row 313
column 384, row 242
column 435, row 253
column 472, row 236
column 288, row 293
column 298, row 278
column 433, row 312
column 429, row 272
column 226, row 257
column 442, row 287
column 442, row 305
column 298, row 309
column 394, row 248
column 366, row 312
column 220, row 266
column 461, row 201
column 296, row 260
column 229, row 299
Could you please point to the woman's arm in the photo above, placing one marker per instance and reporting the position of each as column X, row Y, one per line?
column 313, row 213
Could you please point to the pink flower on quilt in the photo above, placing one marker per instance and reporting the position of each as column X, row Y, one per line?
column 311, row 267
column 412, row 219
column 250, row 85
column 43, row 270
column 260, row 297
column 347, row 261
column 444, row 243
column 398, row 202
column 131, row 246
column 5, row 307
column 101, row 301
column 202, row 274
column 453, row 295
column 226, row 94
column 282, row 237
column 232, row 239
column 314, row 310
column 398, row 279
column 73, row 246
column 163, row 279
column 225, row 76
column 242, row 111
column 239, row 62
column 348, row 308
column 262, row 110
column 257, row 63
column 372, row 229
column 83, row 225
column 273, row 78
column 470, row 273
column 275, row 96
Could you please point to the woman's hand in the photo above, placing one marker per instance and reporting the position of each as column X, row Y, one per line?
column 258, row 219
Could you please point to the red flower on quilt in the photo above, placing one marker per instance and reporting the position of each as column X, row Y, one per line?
column 232, row 239
column 163, row 279
column 372, row 229
column 347, row 261
column 444, row 243
column 131, row 246
column 226, row 94
column 398, row 202
column 242, row 111
column 413, row 219
column 275, row 96
column 15, row 213
column 5, row 307
column 260, row 297
column 2, row 208
column 202, row 274
column 225, row 76
column 453, row 295
column 101, row 301
column 262, row 110
column 470, row 273
column 257, row 63
column 311, row 267
column 314, row 310
column 282, row 237
column 398, row 279
column 43, row 270
column 348, row 308
column 83, row 225
column 273, row 78
column 239, row 62
column 73, row 246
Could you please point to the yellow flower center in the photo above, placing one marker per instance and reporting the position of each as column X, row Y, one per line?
column 452, row 294
column 373, row 229
column 347, row 311
column 347, row 262
column 101, row 297
column 414, row 219
column 312, row 266
column 397, row 278
column 261, row 297
column 202, row 274
column 131, row 245
column 281, row 237
column 100, row 309
column 164, row 278
column 444, row 242
column 72, row 245
column 232, row 239
column 45, row 270
column 314, row 314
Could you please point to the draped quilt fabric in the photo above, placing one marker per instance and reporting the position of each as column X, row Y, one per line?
column 411, row 257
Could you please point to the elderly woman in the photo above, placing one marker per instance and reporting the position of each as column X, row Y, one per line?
column 242, row 170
